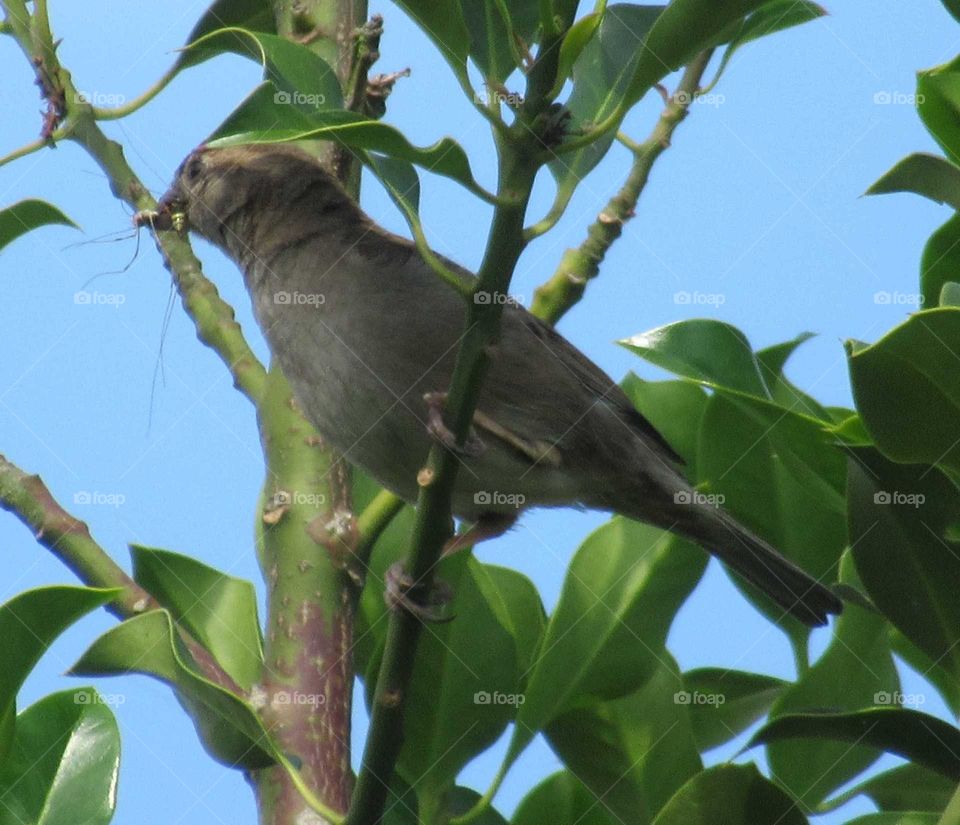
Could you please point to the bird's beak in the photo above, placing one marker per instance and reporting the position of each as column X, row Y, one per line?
column 169, row 214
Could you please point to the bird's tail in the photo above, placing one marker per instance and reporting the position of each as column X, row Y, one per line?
column 798, row 593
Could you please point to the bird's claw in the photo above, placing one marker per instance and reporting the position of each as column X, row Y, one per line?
column 426, row 602
column 473, row 447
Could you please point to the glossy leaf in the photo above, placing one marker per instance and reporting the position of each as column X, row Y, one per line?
column 942, row 678
column 303, row 79
column 633, row 752
column 461, row 800
column 259, row 119
column 63, row 762
column 730, row 795
column 916, row 736
column 464, row 688
column 675, row 408
column 928, row 175
column 254, row 15
column 494, row 40
column 938, row 102
column 229, row 728
column 779, row 474
column 606, row 636
column 730, row 701
column 574, row 42
column 27, row 215
column 770, row 18
column 686, row 28
column 907, row 788
column 517, row 605
column 601, row 79
column 705, row 350
column 899, row 519
column 561, row 799
column 443, row 22
column 29, row 623
column 400, row 179
column 772, row 361
column 856, row 671
column 907, row 388
column 219, row 610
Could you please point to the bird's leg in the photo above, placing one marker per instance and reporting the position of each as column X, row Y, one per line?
column 402, row 592
column 488, row 526
column 473, row 446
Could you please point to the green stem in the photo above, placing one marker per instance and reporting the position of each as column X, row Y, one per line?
column 137, row 102
column 579, row 265
column 372, row 522
column 69, row 539
column 434, row 524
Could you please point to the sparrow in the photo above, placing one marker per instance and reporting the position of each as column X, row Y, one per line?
column 366, row 332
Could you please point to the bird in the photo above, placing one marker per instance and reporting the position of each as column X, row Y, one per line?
column 367, row 334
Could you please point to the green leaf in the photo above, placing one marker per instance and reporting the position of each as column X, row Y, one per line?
column 464, row 688
column 303, row 80
column 561, row 799
column 633, row 752
column 675, row 408
column 779, row 473
column 916, row 736
column 63, row 763
column 908, row 787
column 897, row 818
column 460, row 800
column 928, row 175
column 899, row 517
column 952, row 6
column 27, row 215
column 772, row 361
column 950, row 294
column 219, row 610
column 686, row 28
column 855, row 672
column 517, row 605
column 724, row 703
column 730, row 795
column 491, row 35
column 943, row 679
column 400, row 179
column 607, row 634
column 229, row 728
column 601, row 78
column 574, row 42
column 259, row 119
column 443, row 22
column 907, row 388
column 253, row 15
column 29, row 623
column 938, row 102
column 940, row 263
column 773, row 16
column 710, row 351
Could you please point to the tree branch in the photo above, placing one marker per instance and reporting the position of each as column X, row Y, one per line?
column 554, row 298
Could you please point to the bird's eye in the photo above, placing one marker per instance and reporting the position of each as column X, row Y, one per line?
column 193, row 169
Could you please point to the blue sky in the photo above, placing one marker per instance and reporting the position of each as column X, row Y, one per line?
column 757, row 203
